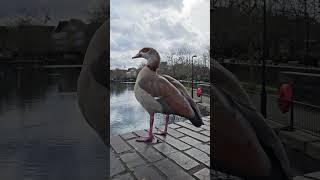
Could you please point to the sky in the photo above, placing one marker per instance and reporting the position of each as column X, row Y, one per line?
column 58, row 9
column 161, row 24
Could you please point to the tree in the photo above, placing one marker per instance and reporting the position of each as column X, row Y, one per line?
column 99, row 13
column 30, row 17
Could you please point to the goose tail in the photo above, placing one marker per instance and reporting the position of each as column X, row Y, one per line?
column 197, row 118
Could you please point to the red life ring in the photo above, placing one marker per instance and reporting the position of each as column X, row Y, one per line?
column 285, row 97
column 199, row 92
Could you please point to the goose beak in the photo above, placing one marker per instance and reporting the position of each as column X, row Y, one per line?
column 136, row 56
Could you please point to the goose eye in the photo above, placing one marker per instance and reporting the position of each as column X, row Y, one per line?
column 144, row 50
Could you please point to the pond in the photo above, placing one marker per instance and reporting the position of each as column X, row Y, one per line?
column 126, row 114
column 42, row 129
column 42, row 132
column 44, row 136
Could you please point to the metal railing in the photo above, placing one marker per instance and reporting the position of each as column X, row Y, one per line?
column 301, row 116
column 204, row 85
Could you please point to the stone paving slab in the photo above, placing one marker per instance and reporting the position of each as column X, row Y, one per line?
column 165, row 148
column 169, row 158
column 313, row 150
column 176, row 143
column 206, row 123
column 203, row 147
column 297, row 139
column 190, row 126
column 206, row 118
column 141, row 133
column 147, row 173
column 199, row 155
column 128, row 135
column 116, row 166
column 146, row 150
column 301, row 178
column 160, row 137
column 189, row 140
column 195, row 135
column 203, row 174
column 219, row 175
column 173, row 126
column 174, row 133
column 132, row 160
column 119, row 145
column 124, row 177
column 183, row 160
column 173, row 171
column 314, row 175
column 206, row 127
column 182, row 154
column 274, row 125
column 188, row 122
column 207, row 133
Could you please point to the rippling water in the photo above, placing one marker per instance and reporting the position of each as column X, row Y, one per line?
column 126, row 114
column 42, row 132
column 44, row 136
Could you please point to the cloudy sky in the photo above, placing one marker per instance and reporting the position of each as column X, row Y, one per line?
column 58, row 9
column 161, row 24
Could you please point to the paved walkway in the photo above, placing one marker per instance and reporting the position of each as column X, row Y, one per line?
column 185, row 153
column 182, row 154
column 309, row 176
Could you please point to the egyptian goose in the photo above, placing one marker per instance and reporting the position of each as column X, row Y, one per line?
column 92, row 83
column 162, row 94
column 244, row 144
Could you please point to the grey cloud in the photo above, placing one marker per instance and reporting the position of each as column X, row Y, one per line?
column 171, row 31
column 163, row 4
column 139, row 23
column 58, row 9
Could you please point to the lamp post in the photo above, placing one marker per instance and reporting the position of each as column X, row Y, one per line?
column 263, row 105
column 192, row 75
column 307, row 32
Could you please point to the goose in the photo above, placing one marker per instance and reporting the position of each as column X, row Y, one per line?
column 184, row 92
column 244, row 145
column 92, row 83
column 162, row 94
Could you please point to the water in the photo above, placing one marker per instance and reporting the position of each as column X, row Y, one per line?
column 42, row 132
column 44, row 136
column 126, row 114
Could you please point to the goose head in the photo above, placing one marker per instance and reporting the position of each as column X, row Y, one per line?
column 151, row 55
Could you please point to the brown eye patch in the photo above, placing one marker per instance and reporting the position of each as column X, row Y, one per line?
column 144, row 50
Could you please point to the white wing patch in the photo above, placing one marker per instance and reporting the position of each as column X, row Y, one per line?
column 156, row 98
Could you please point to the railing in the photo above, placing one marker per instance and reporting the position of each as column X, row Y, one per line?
column 204, row 85
column 302, row 116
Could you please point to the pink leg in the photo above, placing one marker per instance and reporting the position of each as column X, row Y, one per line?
column 148, row 138
column 164, row 132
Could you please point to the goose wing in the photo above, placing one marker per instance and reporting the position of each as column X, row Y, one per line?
column 170, row 98
column 227, row 91
column 184, row 92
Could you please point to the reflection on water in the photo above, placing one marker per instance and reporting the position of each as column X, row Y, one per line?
column 126, row 114
column 42, row 132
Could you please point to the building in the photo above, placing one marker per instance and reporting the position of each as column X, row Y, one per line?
column 28, row 41
column 34, row 40
column 132, row 73
column 3, row 41
column 70, row 37
column 67, row 41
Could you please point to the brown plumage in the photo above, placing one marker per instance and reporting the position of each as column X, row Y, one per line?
column 92, row 92
column 244, row 144
column 163, row 94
